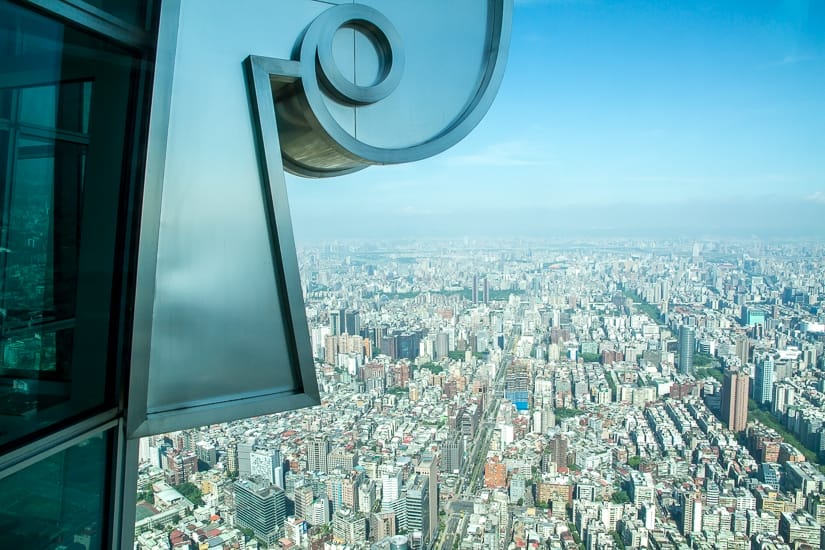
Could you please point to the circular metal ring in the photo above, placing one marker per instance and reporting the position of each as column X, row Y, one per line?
column 345, row 145
column 382, row 34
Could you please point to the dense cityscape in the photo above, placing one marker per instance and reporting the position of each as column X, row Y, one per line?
column 526, row 394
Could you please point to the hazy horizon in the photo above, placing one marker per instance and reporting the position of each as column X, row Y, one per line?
column 636, row 118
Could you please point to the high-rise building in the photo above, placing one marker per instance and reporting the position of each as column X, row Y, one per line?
column 763, row 381
column 266, row 465
column 335, row 323
column 352, row 322
column 261, row 507
column 784, row 395
column 453, row 453
column 341, row 459
column 180, row 465
column 642, row 488
column 442, row 345
column 486, row 293
column 558, row 450
column 475, row 289
column 303, row 502
column 800, row 528
column 687, row 345
column 244, row 451
column 691, row 514
column 418, row 510
column 382, row 525
column 206, row 452
column 428, row 467
column 349, row 527
column 517, row 384
column 743, row 349
column 318, row 448
column 735, row 400
column 391, row 483
column 319, row 512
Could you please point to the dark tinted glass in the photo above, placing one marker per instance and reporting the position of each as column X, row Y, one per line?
column 63, row 122
column 130, row 11
column 59, row 501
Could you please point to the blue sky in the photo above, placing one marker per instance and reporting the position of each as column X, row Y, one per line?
column 609, row 109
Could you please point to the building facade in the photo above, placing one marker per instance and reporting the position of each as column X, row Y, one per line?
column 735, row 400
column 687, row 346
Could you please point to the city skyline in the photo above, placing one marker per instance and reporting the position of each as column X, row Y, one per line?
column 612, row 110
column 487, row 393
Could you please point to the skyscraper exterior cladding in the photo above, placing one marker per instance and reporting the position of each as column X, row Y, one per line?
column 92, row 72
column 687, row 345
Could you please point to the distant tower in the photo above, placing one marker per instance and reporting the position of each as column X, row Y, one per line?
column 475, row 289
column 486, row 291
column 763, row 383
column 742, row 348
column 335, row 322
column 735, row 400
column 687, row 343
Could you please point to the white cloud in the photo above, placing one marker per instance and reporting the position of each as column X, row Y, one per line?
column 790, row 60
column 817, row 197
column 505, row 154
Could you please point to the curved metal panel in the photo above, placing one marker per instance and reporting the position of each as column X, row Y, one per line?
column 220, row 329
column 411, row 111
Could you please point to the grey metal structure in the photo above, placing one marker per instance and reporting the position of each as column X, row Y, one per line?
column 242, row 92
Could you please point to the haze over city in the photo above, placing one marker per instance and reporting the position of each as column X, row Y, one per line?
column 612, row 118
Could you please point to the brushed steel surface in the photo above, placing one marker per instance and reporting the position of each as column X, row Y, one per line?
column 220, row 329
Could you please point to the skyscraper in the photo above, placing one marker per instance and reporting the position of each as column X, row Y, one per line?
column 558, row 450
column 428, row 467
column 517, row 384
column 303, row 502
column 418, row 510
column 352, row 322
column 763, row 382
column 691, row 513
column 475, row 289
column 335, row 322
column 742, row 348
column 260, row 507
column 244, row 450
column 318, row 448
column 735, row 400
column 687, row 344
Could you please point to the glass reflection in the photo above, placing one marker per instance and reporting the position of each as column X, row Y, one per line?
column 63, row 116
column 59, row 501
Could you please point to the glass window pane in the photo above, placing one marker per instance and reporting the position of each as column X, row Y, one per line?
column 64, row 123
column 58, row 502
column 132, row 12
column 61, row 106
